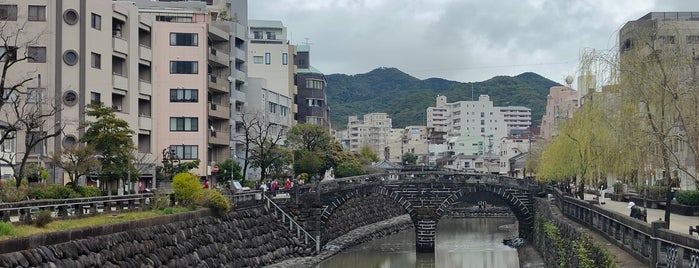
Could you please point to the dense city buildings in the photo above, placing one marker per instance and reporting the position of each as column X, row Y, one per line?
column 372, row 131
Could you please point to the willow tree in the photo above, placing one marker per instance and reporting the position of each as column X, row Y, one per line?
column 658, row 75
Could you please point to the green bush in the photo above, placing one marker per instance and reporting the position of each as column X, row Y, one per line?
column 349, row 169
column 57, row 191
column 168, row 210
column 7, row 229
column 187, row 188
column 43, row 218
column 689, row 198
column 10, row 193
column 89, row 191
column 159, row 201
column 215, row 201
column 37, row 193
column 653, row 192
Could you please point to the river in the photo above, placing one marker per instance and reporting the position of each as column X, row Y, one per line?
column 472, row 242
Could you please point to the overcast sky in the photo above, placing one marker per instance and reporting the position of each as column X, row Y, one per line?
column 461, row 40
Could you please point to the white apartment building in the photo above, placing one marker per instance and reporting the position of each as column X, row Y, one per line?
column 470, row 118
column 373, row 131
column 517, row 118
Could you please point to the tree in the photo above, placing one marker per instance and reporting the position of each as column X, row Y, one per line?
column 111, row 138
column 349, row 169
column 314, row 150
column 187, row 188
column 265, row 150
column 248, row 120
column 172, row 165
column 368, row 155
column 409, row 159
column 228, row 170
column 77, row 162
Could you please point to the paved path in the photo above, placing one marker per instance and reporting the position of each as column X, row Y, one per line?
column 678, row 223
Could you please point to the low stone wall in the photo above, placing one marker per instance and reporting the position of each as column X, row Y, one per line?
column 561, row 242
column 250, row 237
column 359, row 212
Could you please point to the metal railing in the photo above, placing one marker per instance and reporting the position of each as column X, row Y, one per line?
column 293, row 224
column 651, row 243
column 62, row 208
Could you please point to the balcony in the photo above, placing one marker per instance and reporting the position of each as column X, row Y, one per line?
column 145, row 53
column 219, row 57
column 220, row 110
column 218, row 83
column 145, row 122
column 120, row 45
column 145, row 87
column 120, row 81
column 240, row 54
column 220, row 137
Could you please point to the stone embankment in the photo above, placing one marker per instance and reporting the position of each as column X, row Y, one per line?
column 248, row 238
column 351, row 238
column 358, row 212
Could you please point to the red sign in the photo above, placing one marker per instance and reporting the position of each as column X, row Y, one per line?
column 215, row 169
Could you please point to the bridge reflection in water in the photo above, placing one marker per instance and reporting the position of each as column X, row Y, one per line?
column 473, row 242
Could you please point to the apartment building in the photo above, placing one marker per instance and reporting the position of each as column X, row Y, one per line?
column 517, row 118
column 674, row 37
column 561, row 103
column 84, row 52
column 473, row 118
column 311, row 99
column 272, row 60
column 372, row 130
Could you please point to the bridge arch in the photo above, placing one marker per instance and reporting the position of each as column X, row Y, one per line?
column 427, row 198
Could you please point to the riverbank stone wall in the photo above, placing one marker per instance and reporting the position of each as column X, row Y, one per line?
column 251, row 237
column 359, row 212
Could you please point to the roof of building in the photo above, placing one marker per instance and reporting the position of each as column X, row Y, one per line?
column 671, row 16
column 310, row 69
column 265, row 24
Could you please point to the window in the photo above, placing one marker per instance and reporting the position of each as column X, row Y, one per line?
column 8, row 12
column 37, row 13
column 184, row 39
column 315, row 102
column 285, row 58
column 96, row 60
column 667, row 39
column 271, row 35
column 184, row 124
column 184, row 95
column 95, row 98
column 96, row 21
column 272, row 107
column 34, row 138
column 8, row 54
column 8, row 145
column 283, row 110
column 10, row 95
column 693, row 39
column 70, row 57
column 35, row 95
column 185, row 152
column 36, row 54
column 257, row 34
column 315, row 84
column 313, row 120
column 257, row 59
column 268, row 58
column 184, row 67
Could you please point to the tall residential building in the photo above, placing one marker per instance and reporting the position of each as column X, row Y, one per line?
column 373, row 130
column 473, row 118
column 84, row 52
column 561, row 103
column 674, row 37
column 311, row 99
column 270, row 95
column 193, row 93
column 517, row 118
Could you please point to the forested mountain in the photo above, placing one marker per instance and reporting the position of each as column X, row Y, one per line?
column 405, row 98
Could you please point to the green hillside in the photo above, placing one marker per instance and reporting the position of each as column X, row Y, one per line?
column 406, row 98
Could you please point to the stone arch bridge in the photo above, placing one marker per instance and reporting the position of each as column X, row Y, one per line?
column 426, row 196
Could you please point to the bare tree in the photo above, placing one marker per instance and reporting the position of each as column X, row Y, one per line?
column 267, row 150
column 77, row 162
column 248, row 119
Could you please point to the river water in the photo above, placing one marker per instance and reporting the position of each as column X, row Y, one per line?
column 473, row 242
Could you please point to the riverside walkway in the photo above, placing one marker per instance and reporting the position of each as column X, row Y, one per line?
column 678, row 223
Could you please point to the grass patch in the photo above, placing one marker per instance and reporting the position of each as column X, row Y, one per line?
column 102, row 219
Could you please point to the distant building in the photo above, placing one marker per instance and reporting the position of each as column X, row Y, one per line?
column 561, row 103
column 311, row 99
column 373, row 130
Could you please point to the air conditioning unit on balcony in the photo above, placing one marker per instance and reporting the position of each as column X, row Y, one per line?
column 117, row 107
